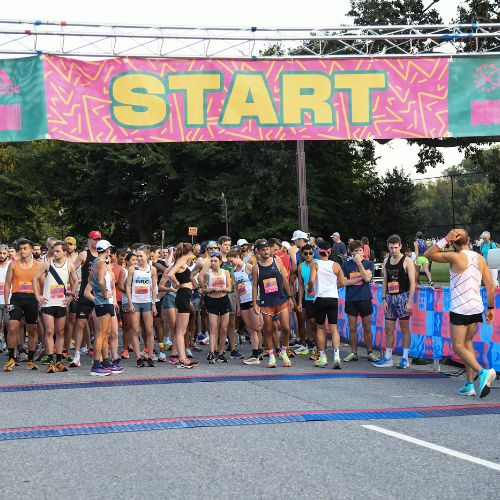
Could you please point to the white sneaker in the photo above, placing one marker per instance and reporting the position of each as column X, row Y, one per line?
column 154, row 357
column 302, row 349
column 189, row 353
column 84, row 350
column 76, row 360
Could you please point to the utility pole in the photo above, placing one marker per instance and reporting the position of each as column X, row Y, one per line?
column 452, row 201
column 224, row 206
column 302, row 187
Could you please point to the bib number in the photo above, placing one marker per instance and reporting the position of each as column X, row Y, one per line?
column 218, row 282
column 141, row 289
column 242, row 288
column 393, row 287
column 270, row 285
column 356, row 275
column 56, row 292
column 25, row 287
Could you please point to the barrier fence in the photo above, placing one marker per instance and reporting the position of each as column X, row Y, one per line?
column 429, row 327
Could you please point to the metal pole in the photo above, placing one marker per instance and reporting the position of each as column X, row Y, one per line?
column 302, row 187
column 224, row 205
column 452, row 201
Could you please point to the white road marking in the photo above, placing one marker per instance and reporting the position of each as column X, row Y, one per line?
column 435, row 447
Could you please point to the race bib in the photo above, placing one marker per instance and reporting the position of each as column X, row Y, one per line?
column 56, row 292
column 141, row 289
column 25, row 287
column 393, row 287
column 270, row 285
column 356, row 275
column 218, row 282
column 2, row 288
column 242, row 288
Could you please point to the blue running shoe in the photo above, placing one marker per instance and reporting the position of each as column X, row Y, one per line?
column 485, row 379
column 403, row 363
column 100, row 372
column 383, row 363
column 467, row 389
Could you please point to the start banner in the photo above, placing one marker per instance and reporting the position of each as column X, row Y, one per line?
column 181, row 100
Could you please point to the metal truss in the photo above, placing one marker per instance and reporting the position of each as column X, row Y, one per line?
column 22, row 37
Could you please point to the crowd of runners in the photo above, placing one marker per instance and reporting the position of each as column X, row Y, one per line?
column 166, row 303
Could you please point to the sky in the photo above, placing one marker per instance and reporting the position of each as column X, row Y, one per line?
column 231, row 13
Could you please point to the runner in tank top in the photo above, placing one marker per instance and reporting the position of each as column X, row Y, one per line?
column 169, row 313
column 69, row 328
column 59, row 287
column 271, row 296
column 130, row 261
column 421, row 261
column 467, row 268
column 22, row 303
column 141, row 294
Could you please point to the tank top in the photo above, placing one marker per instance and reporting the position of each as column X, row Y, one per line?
column 124, row 295
column 305, row 271
column 52, row 291
column 326, row 280
column 217, row 280
column 86, row 268
column 142, row 286
column 465, row 294
column 22, row 279
column 422, row 247
column 3, row 274
column 116, row 271
column 397, row 277
column 99, row 298
column 270, row 281
column 243, row 284
column 184, row 276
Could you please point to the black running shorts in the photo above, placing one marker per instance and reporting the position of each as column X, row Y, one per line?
column 24, row 305
column 465, row 319
column 183, row 300
column 359, row 308
column 326, row 307
column 57, row 312
column 218, row 306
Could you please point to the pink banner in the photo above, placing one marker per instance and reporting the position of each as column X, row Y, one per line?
column 157, row 100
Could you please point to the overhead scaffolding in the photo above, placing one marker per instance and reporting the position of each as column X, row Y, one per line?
column 77, row 39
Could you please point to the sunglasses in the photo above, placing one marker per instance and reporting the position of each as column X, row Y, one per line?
column 216, row 254
column 212, row 248
column 307, row 253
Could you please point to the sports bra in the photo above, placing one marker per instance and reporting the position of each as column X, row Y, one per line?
column 183, row 277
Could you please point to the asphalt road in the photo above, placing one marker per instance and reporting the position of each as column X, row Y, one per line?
column 325, row 459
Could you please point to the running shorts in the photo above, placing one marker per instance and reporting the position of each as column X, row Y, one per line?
column 143, row 307
column 183, row 300
column 24, row 305
column 465, row 319
column 396, row 303
column 84, row 308
column 73, row 307
column 422, row 260
column 246, row 306
column 104, row 309
column 55, row 311
column 218, row 306
column 326, row 307
column 168, row 301
column 309, row 308
column 274, row 310
column 357, row 308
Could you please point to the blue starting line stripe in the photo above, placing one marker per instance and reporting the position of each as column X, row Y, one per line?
column 245, row 419
column 118, row 382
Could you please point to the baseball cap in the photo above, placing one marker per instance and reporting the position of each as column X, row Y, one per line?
column 286, row 244
column 103, row 245
column 241, row 242
column 95, row 235
column 335, row 234
column 70, row 239
column 260, row 244
column 299, row 235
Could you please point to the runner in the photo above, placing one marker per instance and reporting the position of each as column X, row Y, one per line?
column 271, row 295
column 180, row 277
column 421, row 261
column 23, row 304
column 59, row 287
column 84, row 306
column 72, row 255
column 358, row 299
column 466, row 305
column 325, row 278
column 141, row 293
column 246, row 255
column 37, row 251
column 4, row 316
column 398, row 290
column 253, row 323
column 101, row 284
column 216, row 284
column 169, row 312
column 130, row 261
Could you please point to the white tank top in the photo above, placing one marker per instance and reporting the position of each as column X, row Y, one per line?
column 124, row 295
column 243, row 285
column 52, row 291
column 217, row 281
column 141, row 286
column 326, row 280
column 3, row 274
column 465, row 295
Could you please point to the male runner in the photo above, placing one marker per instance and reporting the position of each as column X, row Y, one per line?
column 84, row 306
column 71, row 255
column 270, row 283
column 59, row 287
column 398, row 290
column 19, row 281
column 421, row 261
column 4, row 265
column 37, row 251
column 358, row 299
column 467, row 268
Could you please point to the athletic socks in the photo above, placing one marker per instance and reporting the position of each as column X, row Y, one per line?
column 388, row 354
column 321, row 353
column 405, row 353
column 58, row 358
column 31, row 355
column 255, row 353
column 336, row 352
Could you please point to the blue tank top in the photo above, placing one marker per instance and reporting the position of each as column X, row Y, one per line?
column 272, row 293
column 422, row 247
column 99, row 298
column 305, row 271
